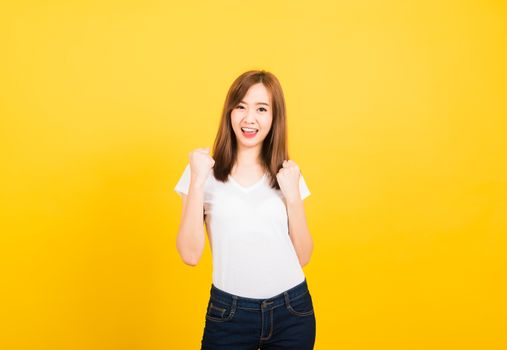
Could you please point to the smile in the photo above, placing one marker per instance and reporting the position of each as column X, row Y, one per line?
column 248, row 132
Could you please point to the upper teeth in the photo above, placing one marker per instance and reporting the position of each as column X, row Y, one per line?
column 248, row 129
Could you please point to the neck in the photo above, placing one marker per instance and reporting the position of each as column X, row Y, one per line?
column 248, row 157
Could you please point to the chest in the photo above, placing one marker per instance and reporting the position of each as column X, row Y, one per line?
column 226, row 203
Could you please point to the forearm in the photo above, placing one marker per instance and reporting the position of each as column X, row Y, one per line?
column 298, row 230
column 190, row 241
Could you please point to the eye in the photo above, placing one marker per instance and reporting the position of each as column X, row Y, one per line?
column 263, row 109
column 240, row 106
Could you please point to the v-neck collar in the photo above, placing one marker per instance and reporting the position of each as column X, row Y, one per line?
column 249, row 188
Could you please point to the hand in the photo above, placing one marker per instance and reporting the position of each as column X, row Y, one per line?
column 201, row 164
column 288, row 180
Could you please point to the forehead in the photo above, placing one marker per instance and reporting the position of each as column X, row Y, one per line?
column 257, row 93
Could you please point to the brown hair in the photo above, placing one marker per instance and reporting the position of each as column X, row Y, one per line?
column 274, row 147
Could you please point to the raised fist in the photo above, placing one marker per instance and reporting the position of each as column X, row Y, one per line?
column 201, row 164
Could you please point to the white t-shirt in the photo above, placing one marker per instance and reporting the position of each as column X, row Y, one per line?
column 253, row 255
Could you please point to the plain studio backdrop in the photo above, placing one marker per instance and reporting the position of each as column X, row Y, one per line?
column 396, row 116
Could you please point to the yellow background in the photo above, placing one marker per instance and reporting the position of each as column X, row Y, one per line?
column 397, row 117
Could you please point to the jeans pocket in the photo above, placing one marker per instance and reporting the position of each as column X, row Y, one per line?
column 220, row 311
column 300, row 305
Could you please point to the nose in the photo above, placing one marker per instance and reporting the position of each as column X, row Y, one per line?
column 250, row 116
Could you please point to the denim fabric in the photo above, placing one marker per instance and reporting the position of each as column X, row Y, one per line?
column 284, row 321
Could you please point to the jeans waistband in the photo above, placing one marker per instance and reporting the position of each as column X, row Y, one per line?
column 253, row 303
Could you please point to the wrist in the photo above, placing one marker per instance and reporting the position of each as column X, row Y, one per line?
column 196, row 181
column 293, row 200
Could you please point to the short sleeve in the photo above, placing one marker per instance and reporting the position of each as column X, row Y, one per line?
column 184, row 181
column 303, row 189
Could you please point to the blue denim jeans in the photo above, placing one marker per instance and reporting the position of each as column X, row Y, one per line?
column 284, row 321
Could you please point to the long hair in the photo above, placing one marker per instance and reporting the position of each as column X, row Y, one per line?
column 274, row 147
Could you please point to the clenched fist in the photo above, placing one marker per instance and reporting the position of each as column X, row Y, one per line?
column 201, row 164
column 288, row 179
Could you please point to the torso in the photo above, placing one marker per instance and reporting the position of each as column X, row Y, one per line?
column 247, row 228
column 247, row 176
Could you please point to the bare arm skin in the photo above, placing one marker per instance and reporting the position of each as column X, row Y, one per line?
column 190, row 240
column 298, row 231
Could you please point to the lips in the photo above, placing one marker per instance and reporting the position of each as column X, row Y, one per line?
column 249, row 132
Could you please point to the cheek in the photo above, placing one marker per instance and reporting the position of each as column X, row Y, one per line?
column 235, row 117
column 267, row 122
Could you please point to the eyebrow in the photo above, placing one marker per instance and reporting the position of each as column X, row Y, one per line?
column 257, row 103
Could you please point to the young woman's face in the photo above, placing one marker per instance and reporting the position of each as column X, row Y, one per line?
column 253, row 112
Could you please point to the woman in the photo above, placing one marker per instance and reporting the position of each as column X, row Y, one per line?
column 250, row 196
